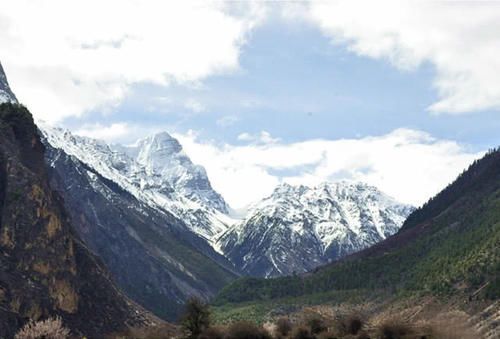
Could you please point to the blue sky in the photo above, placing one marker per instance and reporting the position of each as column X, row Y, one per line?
column 402, row 97
column 295, row 84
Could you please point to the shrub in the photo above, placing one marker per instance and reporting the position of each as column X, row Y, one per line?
column 316, row 325
column 363, row 335
column 283, row 326
column 246, row 330
column 212, row 333
column 327, row 335
column 350, row 324
column 196, row 316
column 51, row 328
column 394, row 329
column 302, row 333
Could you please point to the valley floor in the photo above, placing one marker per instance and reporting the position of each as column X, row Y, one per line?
column 461, row 317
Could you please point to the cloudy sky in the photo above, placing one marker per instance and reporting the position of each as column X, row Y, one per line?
column 401, row 95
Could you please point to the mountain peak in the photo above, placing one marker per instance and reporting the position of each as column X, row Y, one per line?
column 162, row 141
column 298, row 227
column 6, row 94
column 157, row 172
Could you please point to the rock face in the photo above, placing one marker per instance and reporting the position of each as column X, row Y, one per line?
column 298, row 228
column 45, row 269
column 152, row 255
column 6, row 95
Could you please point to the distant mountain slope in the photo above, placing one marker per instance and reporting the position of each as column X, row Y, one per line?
column 450, row 245
column 151, row 254
column 298, row 228
column 45, row 269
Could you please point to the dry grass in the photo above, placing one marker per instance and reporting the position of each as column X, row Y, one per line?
column 160, row 332
column 246, row 330
column 215, row 332
column 451, row 325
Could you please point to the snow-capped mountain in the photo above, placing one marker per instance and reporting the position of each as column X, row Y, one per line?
column 298, row 228
column 162, row 155
column 157, row 172
column 295, row 229
column 6, row 95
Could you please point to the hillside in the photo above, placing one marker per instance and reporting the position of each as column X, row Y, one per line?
column 45, row 268
column 447, row 247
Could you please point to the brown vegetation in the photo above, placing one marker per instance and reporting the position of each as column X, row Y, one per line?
column 51, row 328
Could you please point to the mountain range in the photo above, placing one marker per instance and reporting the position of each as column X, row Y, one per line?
column 329, row 221
column 298, row 228
column 150, row 217
column 149, row 205
column 154, row 185
column 447, row 249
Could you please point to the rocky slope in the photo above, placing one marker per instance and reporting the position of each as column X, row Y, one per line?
column 298, row 228
column 45, row 269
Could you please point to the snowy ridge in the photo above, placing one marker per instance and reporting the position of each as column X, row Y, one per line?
column 298, row 228
column 157, row 172
column 6, row 95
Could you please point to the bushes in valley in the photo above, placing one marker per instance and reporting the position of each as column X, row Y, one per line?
column 316, row 325
column 196, row 317
column 283, row 326
column 351, row 324
column 302, row 332
column 51, row 328
column 212, row 333
column 394, row 329
column 246, row 330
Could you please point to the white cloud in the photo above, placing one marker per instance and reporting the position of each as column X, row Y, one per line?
column 194, row 105
column 97, row 131
column 67, row 57
column 264, row 137
column 119, row 132
column 407, row 164
column 227, row 120
column 460, row 38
